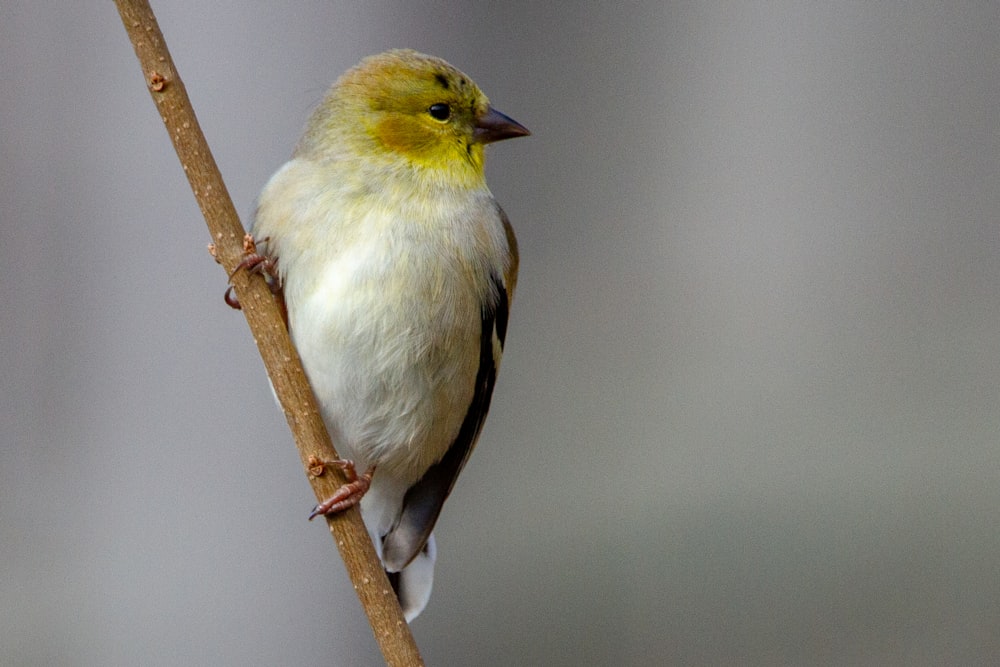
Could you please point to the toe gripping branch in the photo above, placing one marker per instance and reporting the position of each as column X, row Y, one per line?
column 254, row 262
column 349, row 494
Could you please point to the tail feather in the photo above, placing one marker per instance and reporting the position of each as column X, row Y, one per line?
column 413, row 583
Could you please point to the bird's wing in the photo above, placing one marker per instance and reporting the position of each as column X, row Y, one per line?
column 422, row 502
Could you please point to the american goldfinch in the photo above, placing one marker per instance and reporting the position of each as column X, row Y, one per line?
column 397, row 267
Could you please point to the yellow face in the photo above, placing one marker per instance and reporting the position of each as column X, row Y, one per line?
column 432, row 120
column 406, row 108
column 419, row 107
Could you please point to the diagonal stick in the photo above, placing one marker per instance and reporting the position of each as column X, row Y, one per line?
column 264, row 317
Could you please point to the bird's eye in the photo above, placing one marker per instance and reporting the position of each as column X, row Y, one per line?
column 440, row 111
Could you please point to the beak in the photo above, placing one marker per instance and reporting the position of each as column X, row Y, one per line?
column 495, row 126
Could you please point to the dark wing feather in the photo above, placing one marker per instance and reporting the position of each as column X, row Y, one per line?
column 423, row 501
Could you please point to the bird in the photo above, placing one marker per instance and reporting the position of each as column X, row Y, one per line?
column 397, row 267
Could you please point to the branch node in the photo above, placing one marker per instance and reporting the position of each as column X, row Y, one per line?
column 316, row 466
column 157, row 82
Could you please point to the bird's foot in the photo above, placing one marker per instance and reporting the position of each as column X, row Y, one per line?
column 349, row 494
column 254, row 262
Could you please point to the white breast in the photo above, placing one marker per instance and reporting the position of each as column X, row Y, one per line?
column 386, row 315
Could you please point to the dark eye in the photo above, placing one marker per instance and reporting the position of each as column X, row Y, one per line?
column 440, row 111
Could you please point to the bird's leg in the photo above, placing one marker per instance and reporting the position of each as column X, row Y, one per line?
column 255, row 262
column 349, row 494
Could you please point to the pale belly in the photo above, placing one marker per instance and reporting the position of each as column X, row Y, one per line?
column 392, row 356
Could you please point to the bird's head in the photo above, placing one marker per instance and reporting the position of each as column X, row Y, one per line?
column 404, row 104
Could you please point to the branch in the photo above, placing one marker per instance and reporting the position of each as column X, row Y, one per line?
column 269, row 331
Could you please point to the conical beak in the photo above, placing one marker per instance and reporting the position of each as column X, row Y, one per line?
column 494, row 126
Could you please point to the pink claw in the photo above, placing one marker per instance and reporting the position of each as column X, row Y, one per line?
column 349, row 494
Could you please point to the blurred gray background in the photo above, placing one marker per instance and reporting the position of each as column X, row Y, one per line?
column 750, row 407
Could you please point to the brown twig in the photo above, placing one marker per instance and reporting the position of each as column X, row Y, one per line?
column 265, row 320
